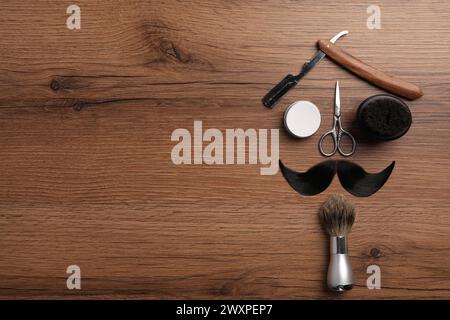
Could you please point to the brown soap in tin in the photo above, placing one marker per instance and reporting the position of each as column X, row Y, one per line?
column 384, row 117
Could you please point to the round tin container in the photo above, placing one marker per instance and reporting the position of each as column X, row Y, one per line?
column 302, row 119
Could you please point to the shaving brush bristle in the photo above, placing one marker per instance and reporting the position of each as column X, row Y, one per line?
column 337, row 215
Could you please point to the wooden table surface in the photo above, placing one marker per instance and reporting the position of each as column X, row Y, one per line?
column 87, row 179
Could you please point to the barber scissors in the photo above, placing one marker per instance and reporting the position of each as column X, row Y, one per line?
column 337, row 132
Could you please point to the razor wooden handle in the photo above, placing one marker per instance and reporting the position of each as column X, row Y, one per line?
column 379, row 78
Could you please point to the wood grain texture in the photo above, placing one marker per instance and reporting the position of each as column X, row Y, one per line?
column 87, row 178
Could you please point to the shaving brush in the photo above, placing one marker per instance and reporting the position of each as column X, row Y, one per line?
column 337, row 215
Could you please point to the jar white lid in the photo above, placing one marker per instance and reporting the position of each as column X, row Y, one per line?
column 302, row 119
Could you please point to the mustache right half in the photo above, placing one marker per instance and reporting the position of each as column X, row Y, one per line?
column 353, row 178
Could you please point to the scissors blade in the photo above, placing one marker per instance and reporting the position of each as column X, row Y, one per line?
column 337, row 101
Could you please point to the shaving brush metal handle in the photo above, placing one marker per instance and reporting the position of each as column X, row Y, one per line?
column 340, row 275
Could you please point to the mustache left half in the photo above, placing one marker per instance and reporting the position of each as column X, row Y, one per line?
column 352, row 176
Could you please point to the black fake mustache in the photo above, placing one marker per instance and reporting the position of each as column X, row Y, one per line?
column 353, row 178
